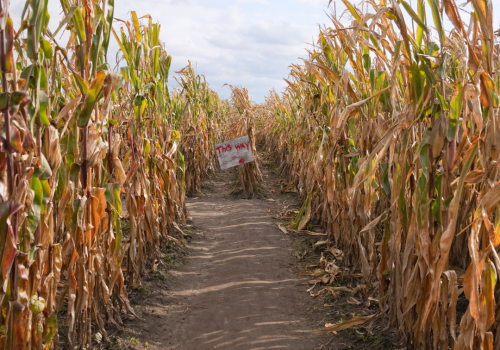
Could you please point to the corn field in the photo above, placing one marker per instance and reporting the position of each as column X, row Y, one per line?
column 389, row 131
column 391, row 137
column 83, row 147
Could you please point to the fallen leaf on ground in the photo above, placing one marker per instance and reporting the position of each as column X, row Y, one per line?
column 310, row 233
column 283, row 229
column 344, row 325
column 178, row 228
column 337, row 253
column 319, row 243
column 353, row 301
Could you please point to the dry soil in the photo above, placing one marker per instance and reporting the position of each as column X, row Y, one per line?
column 235, row 290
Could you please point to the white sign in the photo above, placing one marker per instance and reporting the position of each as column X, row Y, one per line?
column 234, row 152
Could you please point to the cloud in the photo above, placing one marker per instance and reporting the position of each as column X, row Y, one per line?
column 250, row 43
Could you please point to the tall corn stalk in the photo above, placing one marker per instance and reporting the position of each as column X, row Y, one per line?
column 201, row 116
column 241, row 122
column 390, row 135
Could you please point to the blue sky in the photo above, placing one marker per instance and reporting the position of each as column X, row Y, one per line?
column 250, row 43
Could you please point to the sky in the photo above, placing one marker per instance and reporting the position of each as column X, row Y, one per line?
column 249, row 43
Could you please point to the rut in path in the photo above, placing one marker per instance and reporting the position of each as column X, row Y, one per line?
column 236, row 290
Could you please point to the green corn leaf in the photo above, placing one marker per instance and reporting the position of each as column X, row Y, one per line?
column 122, row 47
column 42, row 77
column 79, row 25
column 147, row 149
column 118, row 233
column 33, row 250
column 74, row 173
column 112, row 195
column 46, row 189
column 124, row 72
column 47, row 49
column 139, row 102
column 96, row 46
column 44, row 102
column 82, row 84
column 436, row 15
column 441, row 99
column 352, row 10
column 431, row 79
column 36, row 18
column 108, row 26
column 442, row 67
column 159, row 94
column 36, row 207
column 4, row 100
column 91, row 98
column 421, row 15
column 156, row 50
column 51, row 331
column 397, row 50
column 17, row 98
column 9, row 45
column 456, row 111
column 168, row 62
column 424, row 159
column 414, row 16
column 137, row 27
column 138, row 52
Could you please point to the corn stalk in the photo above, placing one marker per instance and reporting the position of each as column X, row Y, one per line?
column 241, row 122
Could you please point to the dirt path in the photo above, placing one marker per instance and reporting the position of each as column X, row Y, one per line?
column 240, row 293
column 236, row 290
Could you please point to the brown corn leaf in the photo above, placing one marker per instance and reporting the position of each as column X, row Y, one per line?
column 355, row 321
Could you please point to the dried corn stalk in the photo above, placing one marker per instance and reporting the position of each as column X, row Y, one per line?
column 241, row 122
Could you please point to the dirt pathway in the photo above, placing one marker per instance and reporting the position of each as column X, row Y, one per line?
column 236, row 290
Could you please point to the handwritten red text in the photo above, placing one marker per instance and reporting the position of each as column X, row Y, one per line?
column 228, row 148
column 242, row 146
column 222, row 149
